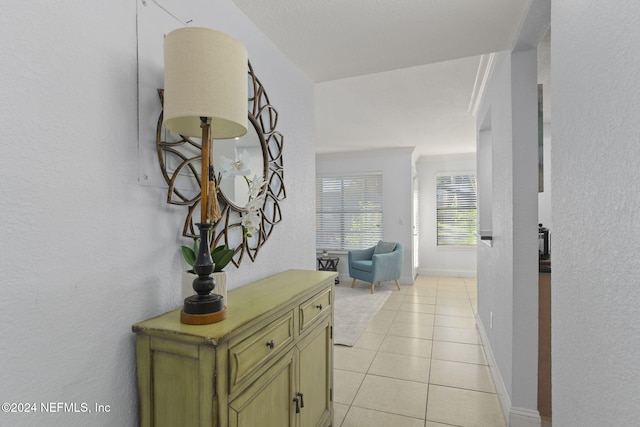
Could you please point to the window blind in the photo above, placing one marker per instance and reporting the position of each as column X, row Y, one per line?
column 348, row 211
column 456, row 208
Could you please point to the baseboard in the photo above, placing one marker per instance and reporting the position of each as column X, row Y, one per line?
column 408, row 280
column 521, row 417
column 501, row 390
column 515, row 417
column 450, row 273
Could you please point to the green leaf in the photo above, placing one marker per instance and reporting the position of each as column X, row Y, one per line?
column 189, row 255
column 221, row 256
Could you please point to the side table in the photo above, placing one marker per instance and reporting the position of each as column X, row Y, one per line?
column 328, row 263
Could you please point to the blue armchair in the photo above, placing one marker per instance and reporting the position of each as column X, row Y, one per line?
column 380, row 263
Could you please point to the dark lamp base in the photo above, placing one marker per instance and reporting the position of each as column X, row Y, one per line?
column 203, row 304
column 203, row 309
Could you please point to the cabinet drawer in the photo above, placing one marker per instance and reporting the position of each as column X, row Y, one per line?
column 314, row 308
column 252, row 352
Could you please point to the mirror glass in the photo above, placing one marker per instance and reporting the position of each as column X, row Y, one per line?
column 239, row 161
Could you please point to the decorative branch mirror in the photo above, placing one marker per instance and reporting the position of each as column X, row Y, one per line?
column 260, row 154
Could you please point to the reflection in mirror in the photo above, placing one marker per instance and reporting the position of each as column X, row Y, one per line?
column 247, row 156
column 261, row 152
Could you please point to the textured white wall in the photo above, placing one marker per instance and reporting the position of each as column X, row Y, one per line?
column 595, row 77
column 495, row 264
column 396, row 167
column 507, row 271
column 86, row 249
column 434, row 259
column 524, row 94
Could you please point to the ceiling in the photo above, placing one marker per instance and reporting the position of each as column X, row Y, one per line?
column 398, row 73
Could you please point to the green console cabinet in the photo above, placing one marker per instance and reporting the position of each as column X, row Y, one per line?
column 269, row 363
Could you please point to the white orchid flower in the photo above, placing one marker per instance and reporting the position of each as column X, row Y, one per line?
column 257, row 184
column 251, row 222
column 254, row 204
column 234, row 167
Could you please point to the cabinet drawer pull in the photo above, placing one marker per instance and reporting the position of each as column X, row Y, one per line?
column 319, row 306
column 295, row 400
column 301, row 396
column 271, row 344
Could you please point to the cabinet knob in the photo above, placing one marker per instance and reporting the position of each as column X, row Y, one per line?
column 271, row 344
column 319, row 306
column 295, row 400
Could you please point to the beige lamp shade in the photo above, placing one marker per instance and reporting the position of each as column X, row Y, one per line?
column 205, row 75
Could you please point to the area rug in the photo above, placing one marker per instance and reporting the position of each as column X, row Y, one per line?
column 353, row 310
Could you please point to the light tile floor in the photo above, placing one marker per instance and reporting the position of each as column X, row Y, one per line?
column 419, row 363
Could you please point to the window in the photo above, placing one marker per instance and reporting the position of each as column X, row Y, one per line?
column 348, row 211
column 456, row 209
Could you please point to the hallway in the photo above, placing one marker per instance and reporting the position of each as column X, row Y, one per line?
column 420, row 362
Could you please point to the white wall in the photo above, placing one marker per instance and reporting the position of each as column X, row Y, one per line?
column 396, row 167
column 86, row 249
column 436, row 260
column 595, row 77
column 507, row 270
column 495, row 264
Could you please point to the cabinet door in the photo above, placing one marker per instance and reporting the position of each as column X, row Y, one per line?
column 316, row 376
column 268, row 401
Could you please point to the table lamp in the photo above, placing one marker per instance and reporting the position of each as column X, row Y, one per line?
column 205, row 95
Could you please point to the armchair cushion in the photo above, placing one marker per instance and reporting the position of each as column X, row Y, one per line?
column 384, row 247
column 363, row 265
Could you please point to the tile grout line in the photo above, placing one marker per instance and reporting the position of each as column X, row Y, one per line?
column 369, row 367
column 433, row 331
column 440, row 301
